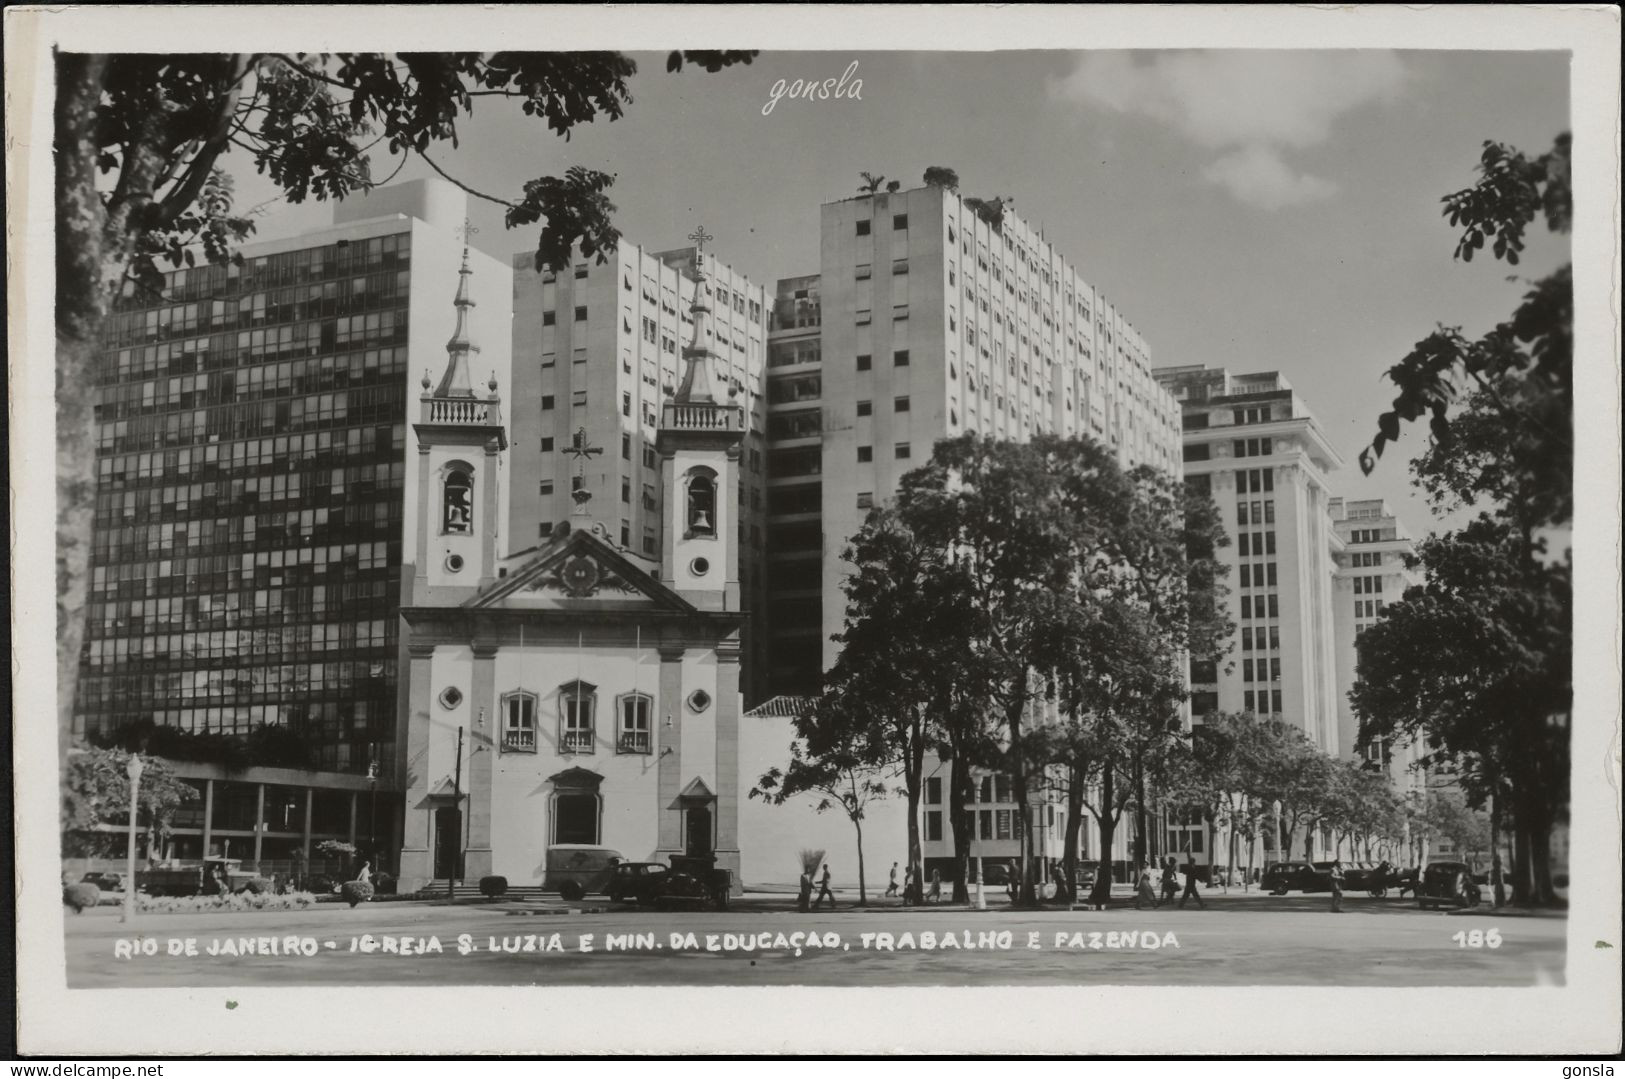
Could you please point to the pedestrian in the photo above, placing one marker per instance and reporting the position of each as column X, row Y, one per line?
column 805, row 888
column 1337, row 887
column 891, row 889
column 1170, row 879
column 935, row 895
column 1011, row 875
column 1144, row 894
column 823, row 890
column 1190, row 884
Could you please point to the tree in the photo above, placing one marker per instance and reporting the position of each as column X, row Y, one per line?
column 96, row 792
column 942, row 176
column 1476, row 663
column 140, row 144
column 870, row 183
column 1520, row 376
column 1489, row 636
column 838, row 777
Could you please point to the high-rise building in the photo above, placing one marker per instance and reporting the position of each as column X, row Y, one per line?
column 928, row 319
column 1371, row 572
column 253, row 477
column 597, row 352
column 1251, row 443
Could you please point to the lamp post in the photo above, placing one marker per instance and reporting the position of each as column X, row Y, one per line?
column 372, row 813
column 133, row 770
column 1275, row 812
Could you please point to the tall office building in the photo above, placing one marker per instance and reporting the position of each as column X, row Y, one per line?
column 253, row 477
column 926, row 321
column 597, row 352
column 1371, row 571
column 1252, row 444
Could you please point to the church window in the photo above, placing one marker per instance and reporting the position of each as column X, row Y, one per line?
column 457, row 502
column 519, row 723
column 702, row 504
column 577, row 702
column 633, row 733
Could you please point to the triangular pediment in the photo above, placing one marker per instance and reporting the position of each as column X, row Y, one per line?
column 576, row 570
column 695, row 794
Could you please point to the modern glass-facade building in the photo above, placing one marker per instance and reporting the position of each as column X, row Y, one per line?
column 252, row 483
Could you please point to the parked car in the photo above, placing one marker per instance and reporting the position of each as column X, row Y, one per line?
column 575, row 870
column 636, row 882
column 688, row 880
column 1449, row 883
column 1297, row 876
column 212, row 876
column 107, row 882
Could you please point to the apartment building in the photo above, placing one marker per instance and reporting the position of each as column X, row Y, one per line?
column 253, row 478
column 927, row 320
column 1252, row 444
column 597, row 351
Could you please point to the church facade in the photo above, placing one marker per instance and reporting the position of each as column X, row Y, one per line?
column 571, row 695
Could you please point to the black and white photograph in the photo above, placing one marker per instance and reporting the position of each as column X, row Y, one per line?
column 920, row 513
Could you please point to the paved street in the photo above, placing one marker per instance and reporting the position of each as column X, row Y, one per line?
column 1236, row 941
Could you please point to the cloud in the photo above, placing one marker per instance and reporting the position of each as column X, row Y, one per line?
column 1255, row 103
column 1257, row 176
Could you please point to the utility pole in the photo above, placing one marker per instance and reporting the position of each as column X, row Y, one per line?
column 454, row 872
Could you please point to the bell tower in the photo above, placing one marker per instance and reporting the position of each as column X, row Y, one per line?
column 460, row 441
column 699, row 442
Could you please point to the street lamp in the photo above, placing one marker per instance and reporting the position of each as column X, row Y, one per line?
column 133, row 770
column 1275, row 811
column 372, row 814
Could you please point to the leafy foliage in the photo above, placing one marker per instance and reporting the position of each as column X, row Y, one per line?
column 1519, row 378
column 942, row 176
column 96, row 791
column 267, row 745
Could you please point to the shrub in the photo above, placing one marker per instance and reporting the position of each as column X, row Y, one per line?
column 493, row 887
column 356, row 891
column 255, row 887
column 81, row 896
column 193, row 904
column 572, row 890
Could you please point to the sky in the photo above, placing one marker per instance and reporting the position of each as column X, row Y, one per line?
column 1252, row 210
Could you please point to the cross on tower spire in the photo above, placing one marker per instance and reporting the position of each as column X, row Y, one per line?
column 581, row 450
column 700, row 238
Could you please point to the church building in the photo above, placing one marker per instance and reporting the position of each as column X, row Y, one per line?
column 572, row 695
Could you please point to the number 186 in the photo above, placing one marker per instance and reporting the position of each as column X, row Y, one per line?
column 1478, row 938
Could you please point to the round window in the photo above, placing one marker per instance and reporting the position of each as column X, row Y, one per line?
column 699, row 700
column 451, row 696
column 454, row 562
column 700, row 567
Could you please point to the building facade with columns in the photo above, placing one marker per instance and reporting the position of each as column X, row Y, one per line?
column 565, row 696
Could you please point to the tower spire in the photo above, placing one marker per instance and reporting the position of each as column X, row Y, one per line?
column 698, row 355
column 457, row 382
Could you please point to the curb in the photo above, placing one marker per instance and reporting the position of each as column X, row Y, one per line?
column 524, row 912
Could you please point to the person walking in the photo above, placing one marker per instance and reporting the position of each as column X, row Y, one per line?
column 823, row 891
column 1170, row 879
column 935, row 895
column 804, row 898
column 1144, row 894
column 1337, row 887
column 910, row 891
column 891, row 889
column 1190, row 884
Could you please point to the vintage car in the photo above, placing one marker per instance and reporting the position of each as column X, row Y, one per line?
column 688, row 880
column 1448, row 883
column 1282, row 877
column 212, row 876
column 576, row 870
